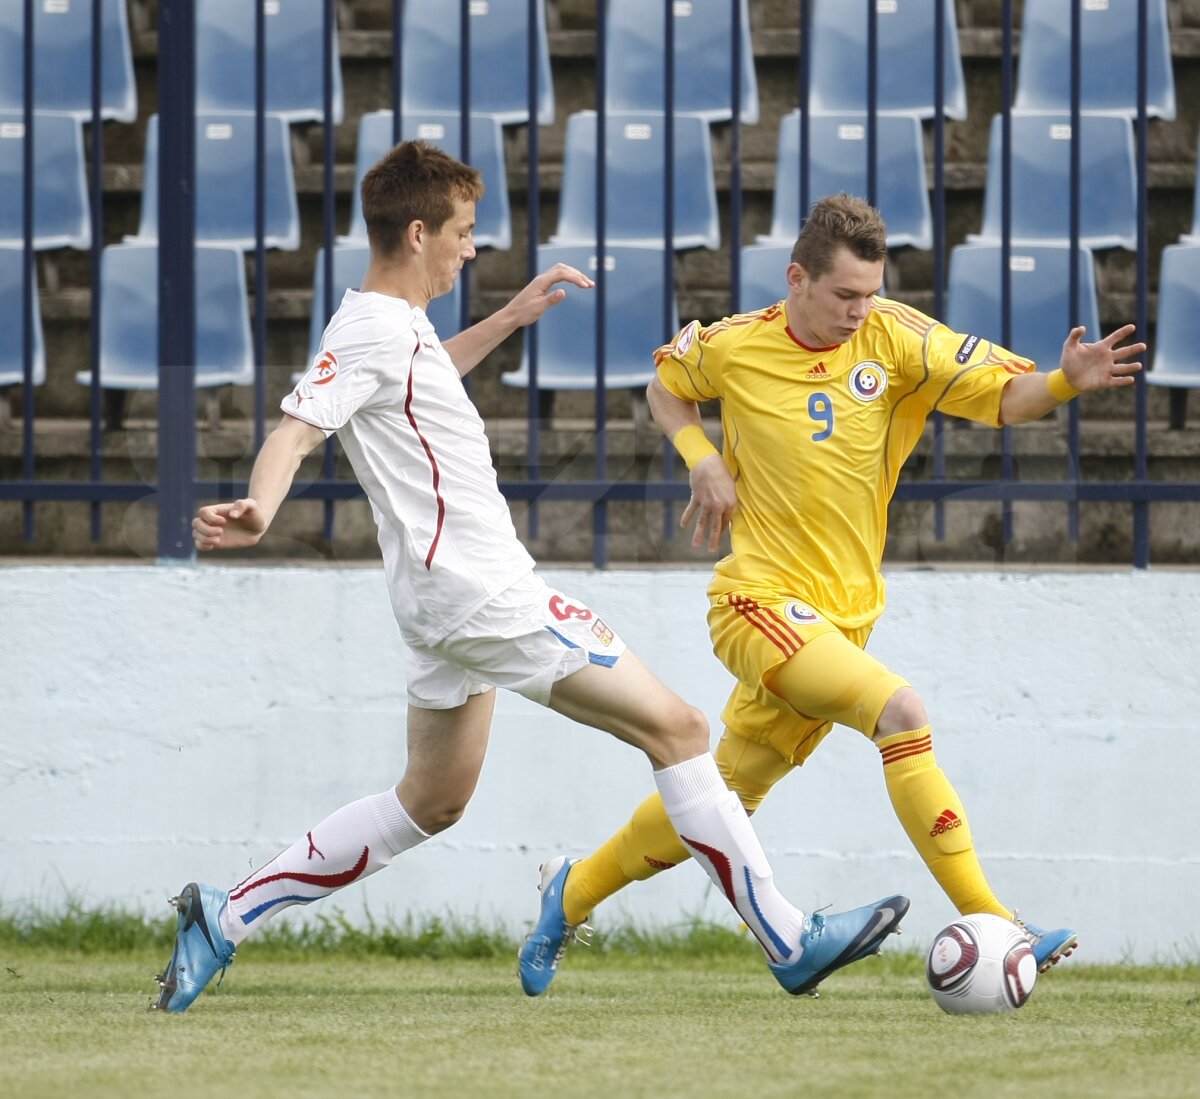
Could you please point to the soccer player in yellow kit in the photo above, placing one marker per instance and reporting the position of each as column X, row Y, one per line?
column 823, row 396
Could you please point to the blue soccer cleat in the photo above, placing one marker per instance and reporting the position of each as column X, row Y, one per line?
column 545, row 945
column 1049, row 946
column 833, row 941
column 201, row 950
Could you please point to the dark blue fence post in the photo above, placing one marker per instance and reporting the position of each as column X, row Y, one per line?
column 939, row 236
column 96, row 204
column 1007, row 465
column 30, row 275
column 176, row 278
column 600, row 507
column 1072, row 471
column 1141, row 509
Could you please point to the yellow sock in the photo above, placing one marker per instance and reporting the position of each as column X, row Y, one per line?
column 646, row 844
column 934, row 818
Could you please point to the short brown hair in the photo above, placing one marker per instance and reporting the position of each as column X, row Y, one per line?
column 837, row 221
column 415, row 181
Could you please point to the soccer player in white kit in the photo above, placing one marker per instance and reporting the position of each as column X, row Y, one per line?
column 471, row 611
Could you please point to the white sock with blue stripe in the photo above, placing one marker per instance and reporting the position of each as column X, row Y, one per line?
column 347, row 846
column 713, row 825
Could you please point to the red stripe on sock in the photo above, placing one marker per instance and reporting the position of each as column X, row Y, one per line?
column 324, row 881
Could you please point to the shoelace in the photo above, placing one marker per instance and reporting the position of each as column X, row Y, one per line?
column 580, row 933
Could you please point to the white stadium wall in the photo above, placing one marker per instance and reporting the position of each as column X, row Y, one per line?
column 162, row 724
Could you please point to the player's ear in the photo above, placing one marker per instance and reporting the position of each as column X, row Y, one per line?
column 797, row 276
column 414, row 235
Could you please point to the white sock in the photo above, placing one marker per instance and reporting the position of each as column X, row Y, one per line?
column 713, row 825
column 347, row 846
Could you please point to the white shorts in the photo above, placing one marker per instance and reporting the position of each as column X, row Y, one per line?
column 525, row 639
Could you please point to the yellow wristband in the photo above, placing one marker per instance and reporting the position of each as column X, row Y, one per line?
column 692, row 444
column 1060, row 388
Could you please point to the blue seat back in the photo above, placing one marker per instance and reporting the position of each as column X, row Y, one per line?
column 12, row 348
column 1178, row 334
column 1040, row 297
column 763, row 275
column 1108, row 58
column 703, row 71
column 634, row 325
column 349, row 265
column 62, row 62
column 499, row 59
column 295, row 64
column 225, row 173
column 633, row 182
column 838, row 162
column 905, row 61
column 129, row 318
column 493, row 220
column 61, row 215
column 1041, row 181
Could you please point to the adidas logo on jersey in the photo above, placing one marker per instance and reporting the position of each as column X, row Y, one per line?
column 818, row 371
column 945, row 822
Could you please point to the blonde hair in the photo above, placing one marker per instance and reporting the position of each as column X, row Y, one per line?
column 839, row 221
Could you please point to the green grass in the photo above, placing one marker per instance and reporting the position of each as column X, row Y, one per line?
column 437, row 1011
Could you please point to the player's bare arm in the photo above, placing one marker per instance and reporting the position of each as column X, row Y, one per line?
column 468, row 349
column 241, row 523
column 1083, row 367
column 714, row 495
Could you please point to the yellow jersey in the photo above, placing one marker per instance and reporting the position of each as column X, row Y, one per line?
column 815, row 437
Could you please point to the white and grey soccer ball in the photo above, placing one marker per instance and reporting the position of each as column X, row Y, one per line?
column 980, row 964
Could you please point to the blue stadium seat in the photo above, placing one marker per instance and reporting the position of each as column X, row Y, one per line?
column 764, row 275
column 1178, row 334
column 499, row 59
column 493, row 222
column 838, row 162
column 295, row 34
column 1108, row 58
column 129, row 318
column 633, row 325
column 633, row 182
column 225, row 173
column 1041, row 181
column 1040, row 292
column 12, row 348
column 904, row 67
column 703, row 71
column 349, row 265
column 61, row 215
column 62, row 65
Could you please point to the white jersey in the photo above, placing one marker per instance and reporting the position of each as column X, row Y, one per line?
column 385, row 384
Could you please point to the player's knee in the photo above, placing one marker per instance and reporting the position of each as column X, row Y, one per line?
column 904, row 712
column 678, row 735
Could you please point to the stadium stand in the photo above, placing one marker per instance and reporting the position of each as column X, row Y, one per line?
column 499, row 59
column 1108, row 60
column 905, row 67
column 493, row 220
column 1041, row 181
column 1040, row 281
column 62, row 67
column 1175, row 360
column 633, row 173
column 349, row 265
column 633, row 326
column 12, row 349
column 294, row 73
column 838, row 162
column 61, row 216
column 225, row 174
column 129, row 318
column 703, row 70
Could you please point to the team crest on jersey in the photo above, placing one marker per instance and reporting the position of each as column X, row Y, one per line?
column 801, row 614
column 868, row 380
column 686, row 338
column 324, row 370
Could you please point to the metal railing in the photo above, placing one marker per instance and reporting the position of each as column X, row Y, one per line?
column 177, row 487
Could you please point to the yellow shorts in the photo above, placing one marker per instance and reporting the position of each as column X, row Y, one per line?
column 829, row 677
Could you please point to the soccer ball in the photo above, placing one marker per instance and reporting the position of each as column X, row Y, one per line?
column 980, row 964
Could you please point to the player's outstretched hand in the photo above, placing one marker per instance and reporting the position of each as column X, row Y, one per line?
column 1100, row 365
column 544, row 291
column 714, row 496
column 229, row 526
